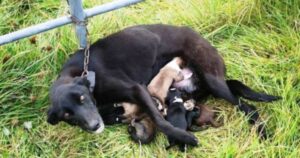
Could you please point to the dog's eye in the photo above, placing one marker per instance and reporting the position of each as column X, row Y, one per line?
column 66, row 115
column 82, row 98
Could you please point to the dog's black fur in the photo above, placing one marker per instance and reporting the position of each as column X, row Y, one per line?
column 125, row 62
column 176, row 115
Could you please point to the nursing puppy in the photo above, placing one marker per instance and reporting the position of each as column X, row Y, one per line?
column 207, row 116
column 131, row 112
column 201, row 117
column 160, row 84
column 176, row 115
column 141, row 128
column 189, row 83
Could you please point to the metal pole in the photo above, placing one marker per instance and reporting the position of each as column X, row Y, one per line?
column 32, row 30
column 78, row 16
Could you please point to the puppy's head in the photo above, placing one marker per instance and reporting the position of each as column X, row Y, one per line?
column 74, row 104
column 174, row 96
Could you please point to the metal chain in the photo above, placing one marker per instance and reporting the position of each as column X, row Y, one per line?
column 86, row 60
column 87, row 49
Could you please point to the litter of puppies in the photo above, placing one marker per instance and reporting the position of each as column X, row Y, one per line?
column 183, row 114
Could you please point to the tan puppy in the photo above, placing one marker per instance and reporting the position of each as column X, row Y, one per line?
column 131, row 112
column 160, row 84
column 141, row 128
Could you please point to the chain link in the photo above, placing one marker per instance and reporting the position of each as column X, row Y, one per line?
column 86, row 60
column 87, row 49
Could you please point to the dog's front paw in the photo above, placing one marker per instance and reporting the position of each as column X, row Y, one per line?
column 189, row 139
column 192, row 140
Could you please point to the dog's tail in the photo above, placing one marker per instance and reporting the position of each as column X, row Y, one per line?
column 240, row 89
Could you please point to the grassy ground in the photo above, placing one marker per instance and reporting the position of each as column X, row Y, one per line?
column 259, row 40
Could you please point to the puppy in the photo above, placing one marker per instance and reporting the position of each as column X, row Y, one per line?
column 141, row 128
column 202, row 116
column 160, row 84
column 176, row 115
column 131, row 112
column 188, row 83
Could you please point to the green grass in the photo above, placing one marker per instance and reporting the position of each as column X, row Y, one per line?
column 260, row 43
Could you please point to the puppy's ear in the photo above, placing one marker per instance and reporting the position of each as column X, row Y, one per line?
column 52, row 116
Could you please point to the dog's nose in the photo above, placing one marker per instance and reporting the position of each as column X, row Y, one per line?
column 93, row 125
column 96, row 126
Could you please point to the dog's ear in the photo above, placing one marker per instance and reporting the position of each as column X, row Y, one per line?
column 52, row 116
column 82, row 81
column 88, row 81
column 91, row 77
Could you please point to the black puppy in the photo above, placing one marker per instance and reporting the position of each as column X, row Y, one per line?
column 126, row 61
column 176, row 115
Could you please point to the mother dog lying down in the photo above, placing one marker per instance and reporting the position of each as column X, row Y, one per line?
column 125, row 62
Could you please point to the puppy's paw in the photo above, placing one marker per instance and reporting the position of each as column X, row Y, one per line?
column 189, row 104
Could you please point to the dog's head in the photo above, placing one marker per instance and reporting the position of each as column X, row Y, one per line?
column 74, row 104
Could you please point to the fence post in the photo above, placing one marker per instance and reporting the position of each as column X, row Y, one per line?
column 79, row 17
column 51, row 24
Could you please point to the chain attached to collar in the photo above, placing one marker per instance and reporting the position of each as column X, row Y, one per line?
column 86, row 60
column 87, row 49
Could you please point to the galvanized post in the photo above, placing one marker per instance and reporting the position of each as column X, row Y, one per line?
column 79, row 19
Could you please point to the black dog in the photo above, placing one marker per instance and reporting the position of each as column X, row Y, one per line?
column 176, row 115
column 125, row 62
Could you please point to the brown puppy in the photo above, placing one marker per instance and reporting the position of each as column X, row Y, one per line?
column 160, row 84
column 206, row 118
column 141, row 128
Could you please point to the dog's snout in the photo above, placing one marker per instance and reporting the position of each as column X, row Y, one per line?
column 94, row 125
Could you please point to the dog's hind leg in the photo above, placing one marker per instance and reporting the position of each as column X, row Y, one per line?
column 142, row 98
column 239, row 89
column 219, row 88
